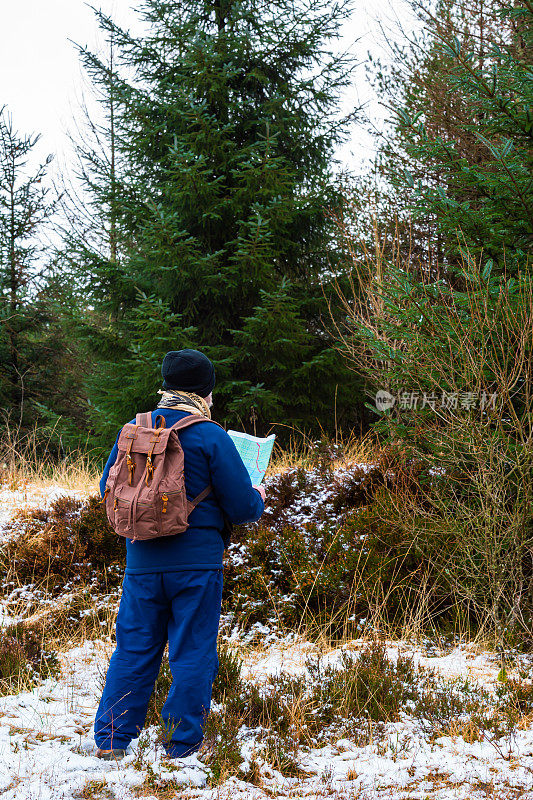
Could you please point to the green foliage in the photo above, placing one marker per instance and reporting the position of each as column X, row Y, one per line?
column 462, row 360
column 153, row 330
column 38, row 359
column 217, row 198
column 454, row 328
column 462, row 153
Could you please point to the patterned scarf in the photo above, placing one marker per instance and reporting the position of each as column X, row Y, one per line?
column 184, row 401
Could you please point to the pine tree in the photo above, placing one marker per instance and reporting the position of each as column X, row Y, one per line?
column 462, row 149
column 226, row 123
column 29, row 333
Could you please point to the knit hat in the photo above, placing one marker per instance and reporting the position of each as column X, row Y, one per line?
column 188, row 370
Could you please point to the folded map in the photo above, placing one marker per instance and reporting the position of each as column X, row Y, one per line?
column 255, row 453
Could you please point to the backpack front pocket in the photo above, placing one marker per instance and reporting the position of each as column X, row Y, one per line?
column 146, row 522
column 173, row 507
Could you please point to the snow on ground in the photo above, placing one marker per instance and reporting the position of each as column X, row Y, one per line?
column 47, row 752
column 289, row 656
column 29, row 496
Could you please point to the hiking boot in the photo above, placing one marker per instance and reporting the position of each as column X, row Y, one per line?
column 111, row 755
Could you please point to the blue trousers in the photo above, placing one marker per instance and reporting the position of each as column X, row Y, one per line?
column 182, row 608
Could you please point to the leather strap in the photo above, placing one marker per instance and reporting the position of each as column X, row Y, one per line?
column 145, row 421
column 186, row 422
column 191, row 504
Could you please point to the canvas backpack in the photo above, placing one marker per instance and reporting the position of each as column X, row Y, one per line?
column 145, row 490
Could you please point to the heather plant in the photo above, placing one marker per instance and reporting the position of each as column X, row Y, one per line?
column 61, row 569
column 356, row 697
column 333, row 547
column 159, row 693
column 67, row 543
column 24, row 658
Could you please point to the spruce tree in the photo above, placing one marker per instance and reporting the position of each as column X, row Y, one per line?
column 33, row 350
column 226, row 124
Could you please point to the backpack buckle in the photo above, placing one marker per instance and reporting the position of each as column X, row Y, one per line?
column 131, row 467
column 149, row 468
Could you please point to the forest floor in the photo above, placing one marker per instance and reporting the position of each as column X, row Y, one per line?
column 425, row 752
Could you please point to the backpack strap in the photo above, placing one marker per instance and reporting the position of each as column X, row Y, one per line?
column 192, row 420
column 144, row 420
column 186, row 422
column 191, row 504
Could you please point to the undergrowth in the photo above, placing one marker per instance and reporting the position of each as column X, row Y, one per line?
column 356, row 697
column 340, row 548
column 333, row 548
column 24, row 658
column 61, row 568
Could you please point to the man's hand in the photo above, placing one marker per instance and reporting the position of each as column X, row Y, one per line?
column 261, row 490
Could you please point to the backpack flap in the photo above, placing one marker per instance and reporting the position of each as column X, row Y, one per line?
column 135, row 439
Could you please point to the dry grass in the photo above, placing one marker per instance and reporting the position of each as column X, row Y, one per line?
column 31, row 459
column 339, row 451
column 27, row 461
column 76, row 472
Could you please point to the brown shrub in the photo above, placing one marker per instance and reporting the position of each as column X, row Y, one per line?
column 24, row 658
column 68, row 543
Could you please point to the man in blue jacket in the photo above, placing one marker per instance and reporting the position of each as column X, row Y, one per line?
column 172, row 586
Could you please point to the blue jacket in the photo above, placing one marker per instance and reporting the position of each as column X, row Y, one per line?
column 210, row 458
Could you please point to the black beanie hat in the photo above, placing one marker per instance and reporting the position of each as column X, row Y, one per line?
column 188, row 370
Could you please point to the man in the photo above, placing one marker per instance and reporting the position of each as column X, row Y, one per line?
column 172, row 586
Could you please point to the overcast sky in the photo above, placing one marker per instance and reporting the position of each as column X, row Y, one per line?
column 41, row 82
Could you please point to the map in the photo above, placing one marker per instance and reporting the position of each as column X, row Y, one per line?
column 255, row 453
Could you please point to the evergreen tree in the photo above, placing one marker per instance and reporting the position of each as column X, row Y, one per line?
column 34, row 352
column 225, row 127
column 458, row 160
column 461, row 152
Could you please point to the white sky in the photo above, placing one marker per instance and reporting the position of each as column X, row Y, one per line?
column 41, row 81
